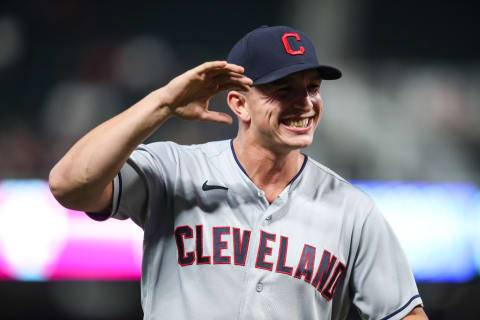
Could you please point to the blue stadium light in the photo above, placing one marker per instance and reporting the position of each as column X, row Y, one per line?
column 433, row 222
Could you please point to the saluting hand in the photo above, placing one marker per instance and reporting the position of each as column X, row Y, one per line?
column 189, row 94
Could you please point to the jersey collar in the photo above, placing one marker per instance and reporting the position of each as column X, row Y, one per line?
column 246, row 175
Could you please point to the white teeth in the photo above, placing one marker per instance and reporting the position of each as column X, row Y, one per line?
column 297, row 124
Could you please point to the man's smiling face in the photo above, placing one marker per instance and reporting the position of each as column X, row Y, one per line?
column 285, row 113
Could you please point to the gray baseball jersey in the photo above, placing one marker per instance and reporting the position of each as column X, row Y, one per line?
column 214, row 248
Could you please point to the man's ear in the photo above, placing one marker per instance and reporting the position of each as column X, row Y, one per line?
column 238, row 104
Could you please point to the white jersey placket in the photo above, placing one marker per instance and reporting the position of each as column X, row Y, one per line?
column 253, row 284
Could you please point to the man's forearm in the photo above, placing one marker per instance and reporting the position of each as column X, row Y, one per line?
column 80, row 180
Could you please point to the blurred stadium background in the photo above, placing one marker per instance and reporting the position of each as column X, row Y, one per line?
column 402, row 124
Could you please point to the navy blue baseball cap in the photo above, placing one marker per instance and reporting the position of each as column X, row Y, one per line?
column 271, row 53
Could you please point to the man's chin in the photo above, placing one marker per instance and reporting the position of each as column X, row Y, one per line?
column 298, row 142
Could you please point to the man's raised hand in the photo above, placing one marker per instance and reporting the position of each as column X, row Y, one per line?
column 188, row 95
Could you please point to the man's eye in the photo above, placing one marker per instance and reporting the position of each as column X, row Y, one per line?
column 283, row 89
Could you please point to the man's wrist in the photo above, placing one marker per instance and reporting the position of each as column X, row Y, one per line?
column 161, row 102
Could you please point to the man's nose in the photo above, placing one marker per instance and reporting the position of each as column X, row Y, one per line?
column 303, row 100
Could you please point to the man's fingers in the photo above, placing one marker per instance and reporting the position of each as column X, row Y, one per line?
column 234, row 82
column 229, row 67
column 211, row 65
column 234, row 68
column 213, row 68
column 219, row 66
column 223, row 83
column 229, row 74
column 218, row 117
column 233, row 77
column 220, row 75
column 224, row 72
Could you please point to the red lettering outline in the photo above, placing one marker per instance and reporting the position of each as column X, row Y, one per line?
column 330, row 287
column 246, row 233
column 220, row 242
column 199, row 251
column 289, row 50
column 186, row 255
column 270, row 264
column 307, row 259
column 318, row 279
column 282, row 263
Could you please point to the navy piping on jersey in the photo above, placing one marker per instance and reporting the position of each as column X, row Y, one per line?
column 243, row 170
column 104, row 215
column 301, row 169
column 399, row 310
column 119, row 192
column 236, row 159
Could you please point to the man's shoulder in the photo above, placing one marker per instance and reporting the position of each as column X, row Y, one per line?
column 208, row 149
column 327, row 172
column 334, row 186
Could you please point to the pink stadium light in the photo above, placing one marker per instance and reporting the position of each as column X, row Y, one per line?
column 41, row 240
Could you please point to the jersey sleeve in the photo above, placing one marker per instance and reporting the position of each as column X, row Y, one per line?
column 383, row 286
column 142, row 186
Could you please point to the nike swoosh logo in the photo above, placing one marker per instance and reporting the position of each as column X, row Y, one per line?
column 206, row 187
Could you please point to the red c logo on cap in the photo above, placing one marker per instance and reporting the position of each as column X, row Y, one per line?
column 301, row 50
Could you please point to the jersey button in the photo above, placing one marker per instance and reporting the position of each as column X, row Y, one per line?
column 259, row 287
column 268, row 218
column 260, row 193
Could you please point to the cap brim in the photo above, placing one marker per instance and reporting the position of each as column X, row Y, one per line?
column 326, row 73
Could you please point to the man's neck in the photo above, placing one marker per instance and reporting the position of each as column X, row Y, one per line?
column 270, row 171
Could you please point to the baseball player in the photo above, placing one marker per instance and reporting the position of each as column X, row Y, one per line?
column 247, row 228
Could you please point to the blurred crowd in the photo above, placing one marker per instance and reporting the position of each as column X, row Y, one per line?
column 65, row 69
